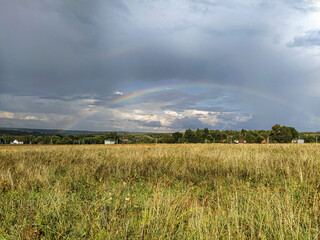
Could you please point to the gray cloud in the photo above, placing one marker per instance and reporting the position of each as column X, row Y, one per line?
column 310, row 39
column 153, row 124
column 187, row 122
column 304, row 6
column 67, row 58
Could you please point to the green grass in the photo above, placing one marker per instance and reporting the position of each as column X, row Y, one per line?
column 199, row 191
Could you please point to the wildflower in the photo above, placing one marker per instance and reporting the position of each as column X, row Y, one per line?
column 127, row 199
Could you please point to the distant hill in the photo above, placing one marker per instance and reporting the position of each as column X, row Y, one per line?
column 46, row 132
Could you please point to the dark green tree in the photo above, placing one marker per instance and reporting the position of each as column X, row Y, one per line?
column 294, row 132
column 167, row 138
column 275, row 134
column 113, row 135
column 37, row 140
column 206, row 133
column 46, row 139
column 280, row 134
column 258, row 138
column 200, row 135
column 286, row 135
column 249, row 137
column 190, row 136
column 66, row 140
column 56, row 140
column 243, row 133
column 177, row 136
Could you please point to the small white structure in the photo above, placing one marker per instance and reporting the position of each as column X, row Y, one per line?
column 109, row 141
column 17, row 141
column 297, row 141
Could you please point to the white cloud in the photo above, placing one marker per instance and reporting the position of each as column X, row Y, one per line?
column 165, row 120
column 31, row 117
column 117, row 93
column 4, row 114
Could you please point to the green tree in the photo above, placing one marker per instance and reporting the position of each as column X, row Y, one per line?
column 55, row 140
column 200, row 135
column 280, row 134
column 113, row 135
column 37, row 140
column 286, row 135
column 249, row 137
column 206, row 133
column 66, row 140
column 215, row 135
column 259, row 138
column 243, row 133
column 238, row 135
column 275, row 134
column 294, row 132
column 28, row 139
column 59, row 135
column 167, row 138
column 190, row 136
column 177, row 136
column 46, row 139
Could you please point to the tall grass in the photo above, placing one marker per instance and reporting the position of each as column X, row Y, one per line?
column 200, row 191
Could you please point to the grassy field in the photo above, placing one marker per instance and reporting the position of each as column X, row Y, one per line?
column 199, row 191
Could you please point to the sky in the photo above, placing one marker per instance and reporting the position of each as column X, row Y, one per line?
column 159, row 65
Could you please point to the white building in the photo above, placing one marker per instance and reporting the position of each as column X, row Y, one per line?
column 109, row 141
column 17, row 141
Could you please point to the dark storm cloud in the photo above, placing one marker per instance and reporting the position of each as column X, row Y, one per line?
column 60, row 49
column 72, row 48
column 182, row 99
column 50, row 46
column 63, row 57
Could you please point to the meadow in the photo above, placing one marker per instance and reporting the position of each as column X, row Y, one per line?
column 163, row 191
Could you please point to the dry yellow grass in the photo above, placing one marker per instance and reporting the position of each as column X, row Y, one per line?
column 187, row 191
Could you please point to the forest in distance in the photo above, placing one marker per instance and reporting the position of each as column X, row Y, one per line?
column 277, row 134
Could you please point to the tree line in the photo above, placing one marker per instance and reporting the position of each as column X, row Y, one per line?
column 277, row 134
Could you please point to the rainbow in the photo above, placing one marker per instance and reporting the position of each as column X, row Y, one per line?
column 171, row 87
